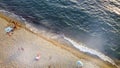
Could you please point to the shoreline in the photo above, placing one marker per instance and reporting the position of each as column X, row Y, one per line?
column 58, row 44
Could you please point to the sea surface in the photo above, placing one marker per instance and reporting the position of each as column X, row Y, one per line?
column 96, row 23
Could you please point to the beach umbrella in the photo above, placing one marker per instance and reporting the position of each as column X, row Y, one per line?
column 8, row 29
column 79, row 64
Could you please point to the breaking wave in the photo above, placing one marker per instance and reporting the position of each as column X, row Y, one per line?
column 91, row 51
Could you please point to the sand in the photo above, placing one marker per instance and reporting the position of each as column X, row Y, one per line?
column 52, row 53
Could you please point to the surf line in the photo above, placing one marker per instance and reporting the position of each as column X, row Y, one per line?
column 89, row 50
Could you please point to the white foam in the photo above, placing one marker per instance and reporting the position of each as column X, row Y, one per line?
column 83, row 48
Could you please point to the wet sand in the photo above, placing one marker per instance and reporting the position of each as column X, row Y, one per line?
column 52, row 53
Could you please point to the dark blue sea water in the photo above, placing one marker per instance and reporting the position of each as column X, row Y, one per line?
column 86, row 21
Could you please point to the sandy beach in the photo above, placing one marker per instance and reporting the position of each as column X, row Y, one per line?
column 20, row 49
